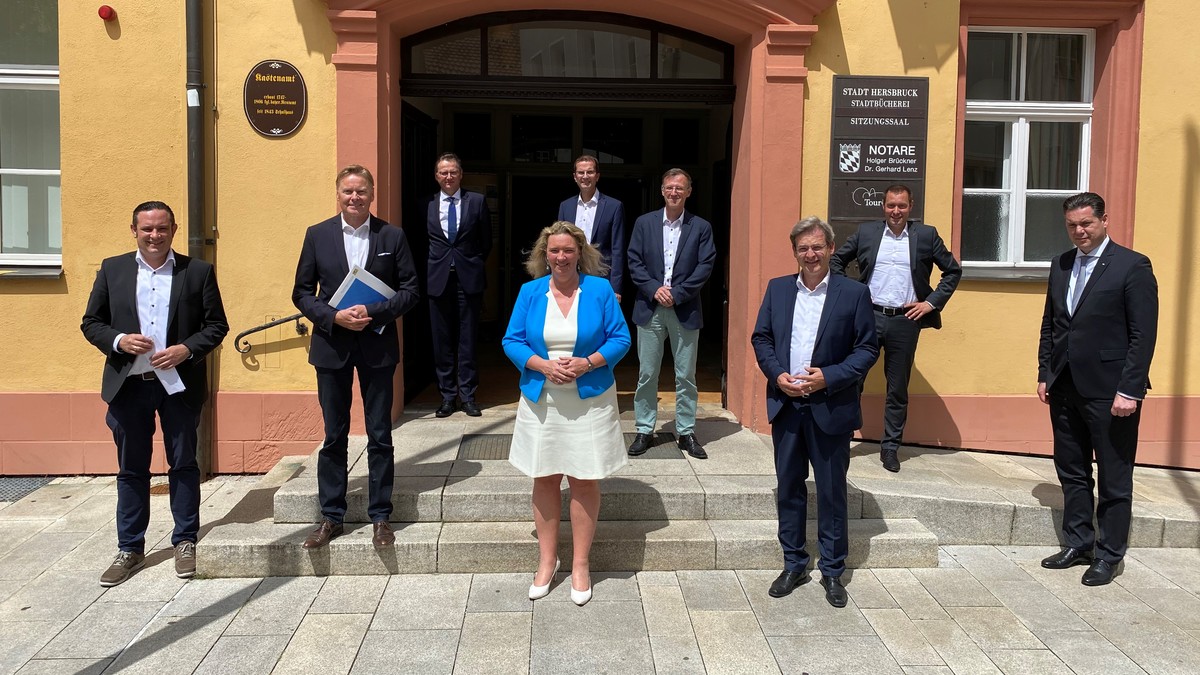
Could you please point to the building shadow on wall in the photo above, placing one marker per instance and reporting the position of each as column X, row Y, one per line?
column 1185, row 263
column 920, row 46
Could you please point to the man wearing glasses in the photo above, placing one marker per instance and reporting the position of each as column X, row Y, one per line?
column 601, row 218
column 670, row 257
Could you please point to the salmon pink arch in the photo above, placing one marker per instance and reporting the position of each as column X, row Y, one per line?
column 770, row 38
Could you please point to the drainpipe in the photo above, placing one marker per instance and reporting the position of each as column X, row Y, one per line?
column 194, row 26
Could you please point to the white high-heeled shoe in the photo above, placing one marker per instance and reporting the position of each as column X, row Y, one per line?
column 581, row 597
column 537, row 592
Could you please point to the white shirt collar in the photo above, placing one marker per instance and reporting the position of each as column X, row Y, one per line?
column 350, row 229
column 824, row 283
column 1095, row 252
column 142, row 261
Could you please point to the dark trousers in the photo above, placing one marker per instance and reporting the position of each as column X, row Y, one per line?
column 335, row 392
column 799, row 441
column 454, row 318
column 1082, row 427
column 131, row 419
column 898, row 340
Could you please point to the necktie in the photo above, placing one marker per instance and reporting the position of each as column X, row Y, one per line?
column 1081, row 276
column 451, row 221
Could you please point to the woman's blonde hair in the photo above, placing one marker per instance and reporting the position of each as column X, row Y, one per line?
column 590, row 261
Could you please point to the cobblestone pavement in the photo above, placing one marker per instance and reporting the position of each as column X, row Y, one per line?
column 984, row 609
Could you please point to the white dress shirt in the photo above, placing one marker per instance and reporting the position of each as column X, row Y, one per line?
column 357, row 241
column 153, row 310
column 1079, row 275
column 585, row 214
column 443, row 209
column 672, row 230
column 891, row 280
column 806, row 317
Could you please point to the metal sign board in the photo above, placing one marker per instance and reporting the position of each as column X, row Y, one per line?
column 275, row 98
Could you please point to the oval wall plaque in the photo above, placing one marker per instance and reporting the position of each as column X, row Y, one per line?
column 275, row 98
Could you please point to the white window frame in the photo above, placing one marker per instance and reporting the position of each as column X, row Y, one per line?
column 1020, row 114
column 31, row 78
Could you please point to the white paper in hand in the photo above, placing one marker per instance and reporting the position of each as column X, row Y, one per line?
column 360, row 287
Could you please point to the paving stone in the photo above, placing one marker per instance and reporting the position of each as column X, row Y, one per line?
column 420, row 652
column 1088, row 653
column 501, row 592
column 666, row 611
column 51, row 501
column 987, row 563
column 1038, row 519
column 731, row 642
column 53, row 596
column 994, row 628
column 754, row 544
column 901, row 638
column 1180, row 565
column 600, row 636
column 1137, row 574
column 959, row 652
column 1028, row 662
column 1065, row 584
column 171, row 644
column 59, row 666
column 211, row 597
column 95, row 512
column 154, row 583
column 1175, row 604
column 717, row 590
column 25, row 638
column 277, row 606
column 640, row 466
column 653, row 578
column 833, row 654
column 324, row 643
column 752, row 497
column 1039, row 609
column 926, row 670
column 912, row 597
column 494, row 643
column 266, row 549
column 651, row 498
column 483, row 467
column 423, row 602
column 738, row 453
column 101, row 631
column 14, row 533
column 1181, row 524
column 676, row 655
column 349, row 595
column 39, row 552
column 804, row 612
column 869, row 593
column 606, row 587
column 946, row 561
column 414, row 499
column 955, row 513
column 954, row 588
column 249, row 654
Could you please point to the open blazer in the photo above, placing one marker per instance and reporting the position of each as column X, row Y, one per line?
column 600, row 324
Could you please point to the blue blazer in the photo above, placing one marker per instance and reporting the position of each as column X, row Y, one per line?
column 845, row 350
column 601, row 329
column 608, row 233
column 694, row 260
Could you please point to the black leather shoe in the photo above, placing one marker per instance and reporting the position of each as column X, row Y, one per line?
column 326, row 530
column 471, row 409
column 1066, row 558
column 787, row 582
column 1100, row 573
column 446, row 409
column 688, row 444
column 835, row 592
column 889, row 460
column 641, row 443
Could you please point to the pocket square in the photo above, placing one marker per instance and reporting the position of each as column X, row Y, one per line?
column 384, row 253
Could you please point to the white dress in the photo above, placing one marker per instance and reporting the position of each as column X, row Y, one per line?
column 563, row 433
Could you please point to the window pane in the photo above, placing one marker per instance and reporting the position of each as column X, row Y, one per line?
column 30, row 214
column 568, row 49
column 985, row 227
column 683, row 59
column 1045, row 232
column 28, row 129
column 1054, row 149
column 986, row 149
column 1055, row 68
column 29, row 32
column 990, row 66
column 613, row 140
column 539, row 138
column 457, row 54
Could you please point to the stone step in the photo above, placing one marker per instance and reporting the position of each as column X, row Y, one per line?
column 274, row 549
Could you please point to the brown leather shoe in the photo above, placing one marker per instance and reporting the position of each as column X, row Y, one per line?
column 326, row 530
column 383, row 536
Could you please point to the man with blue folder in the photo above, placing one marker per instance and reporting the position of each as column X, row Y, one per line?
column 342, row 344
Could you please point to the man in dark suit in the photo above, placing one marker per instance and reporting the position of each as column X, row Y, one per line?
column 896, row 257
column 814, row 340
column 601, row 218
column 155, row 314
column 359, row 337
column 671, row 256
column 1098, row 332
column 460, row 238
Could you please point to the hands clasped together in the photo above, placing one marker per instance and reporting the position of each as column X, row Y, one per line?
column 561, row 370
column 136, row 343
column 812, row 381
column 353, row 318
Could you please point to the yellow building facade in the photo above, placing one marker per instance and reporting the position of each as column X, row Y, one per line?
column 755, row 91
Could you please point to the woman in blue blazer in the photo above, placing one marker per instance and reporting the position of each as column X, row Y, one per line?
column 565, row 335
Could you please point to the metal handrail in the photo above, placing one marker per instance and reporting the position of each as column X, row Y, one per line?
column 243, row 346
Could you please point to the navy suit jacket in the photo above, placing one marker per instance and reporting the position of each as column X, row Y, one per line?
column 925, row 249
column 320, row 271
column 694, row 260
column 845, row 349
column 608, row 233
column 196, row 320
column 468, row 253
column 1109, row 341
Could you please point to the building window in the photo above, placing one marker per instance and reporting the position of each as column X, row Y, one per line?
column 30, row 205
column 1026, row 141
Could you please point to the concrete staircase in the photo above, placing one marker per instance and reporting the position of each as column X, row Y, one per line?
column 664, row 512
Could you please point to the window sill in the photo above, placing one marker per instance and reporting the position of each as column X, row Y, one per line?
column 30, row 272
column 1006, row 273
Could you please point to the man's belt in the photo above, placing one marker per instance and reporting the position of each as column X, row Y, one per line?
column 889, row 311
column 148, row 376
